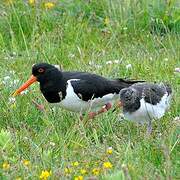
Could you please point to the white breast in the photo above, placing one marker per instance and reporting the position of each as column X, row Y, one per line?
column 73, row 103
column 148, row 111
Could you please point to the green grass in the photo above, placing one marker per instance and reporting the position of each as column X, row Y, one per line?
column 74, row 34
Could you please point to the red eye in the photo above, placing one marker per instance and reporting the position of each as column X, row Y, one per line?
column 40, row 70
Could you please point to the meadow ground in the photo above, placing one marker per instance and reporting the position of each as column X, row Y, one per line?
column 133, row 39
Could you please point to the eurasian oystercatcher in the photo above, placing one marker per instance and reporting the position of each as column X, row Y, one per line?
column 143, row 102
column 76, row 91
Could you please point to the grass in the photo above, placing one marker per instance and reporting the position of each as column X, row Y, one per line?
column 84, row 36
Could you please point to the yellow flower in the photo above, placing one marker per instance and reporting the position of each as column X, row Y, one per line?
column 76, row 163
column 109, row 150
column 18, row 178
column 83, row 171
column 49, row 5
column 106, row 21
column 45, row 174
column 32, row 2
column 107, row 165
column 26, row 162
column 67, row 170
column 6, row 166
column 96, row 171
column 79, row 178
column 9, row 1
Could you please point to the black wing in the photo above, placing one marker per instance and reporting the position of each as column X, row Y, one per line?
column 96, row 86
column 88, row 90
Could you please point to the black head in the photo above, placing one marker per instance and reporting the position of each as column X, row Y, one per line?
column 128, row 96
column 51, row 81
column 43, row 70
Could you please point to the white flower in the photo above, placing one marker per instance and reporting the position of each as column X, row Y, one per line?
column 177, row 70
column 12, row 100
column 124, row 28
column 24, row 92
column 16, row 81
column 91, row 63
column 117, row 61
column 128, row 66
column 177, row 118
column 109, row 62
column 71, row 55
column 52, row 143
column 121, row 117
column 166, row 59
column 110, row 148
column 12, row 72
column 6, row 78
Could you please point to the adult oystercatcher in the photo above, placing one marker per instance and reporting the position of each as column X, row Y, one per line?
column 143, row 102
column 76, row 91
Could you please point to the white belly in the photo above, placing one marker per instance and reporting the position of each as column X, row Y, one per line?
column 73, row 103
column 147, row 111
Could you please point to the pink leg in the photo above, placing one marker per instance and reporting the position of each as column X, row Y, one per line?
column 91, row 115
column 105, row 108
column 38, row 106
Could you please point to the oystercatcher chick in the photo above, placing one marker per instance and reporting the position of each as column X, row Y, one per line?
column 76, row 91
column 143, row 102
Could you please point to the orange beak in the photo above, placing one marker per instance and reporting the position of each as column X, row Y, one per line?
column 30, row 81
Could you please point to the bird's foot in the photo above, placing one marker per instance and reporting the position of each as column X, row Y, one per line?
column 38, row 106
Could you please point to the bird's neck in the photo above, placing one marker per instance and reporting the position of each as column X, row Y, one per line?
column 131, row 107
column 53, row 83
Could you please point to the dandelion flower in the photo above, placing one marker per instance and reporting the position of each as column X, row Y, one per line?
column 76, row 163
column 6, row 166
column 106, row 21
column 49, row 5
column 26, row 162
column 45, row 174
column 96, row 171
column 18, row 178
column 109, row 150
column 83, row 171
column 9, row 1
column 67, row 171
column 107, row 165
column 32, row 2
column 79, row 178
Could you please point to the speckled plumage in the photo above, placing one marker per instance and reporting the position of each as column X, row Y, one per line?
column 143, row 102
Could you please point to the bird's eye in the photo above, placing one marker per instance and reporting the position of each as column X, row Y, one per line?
column 40, row 70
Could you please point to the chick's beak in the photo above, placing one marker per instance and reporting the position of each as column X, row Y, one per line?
column 30, row 81
column 119, row 104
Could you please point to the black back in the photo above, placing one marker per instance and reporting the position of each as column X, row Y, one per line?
column 90, row 86
column 87, row 87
